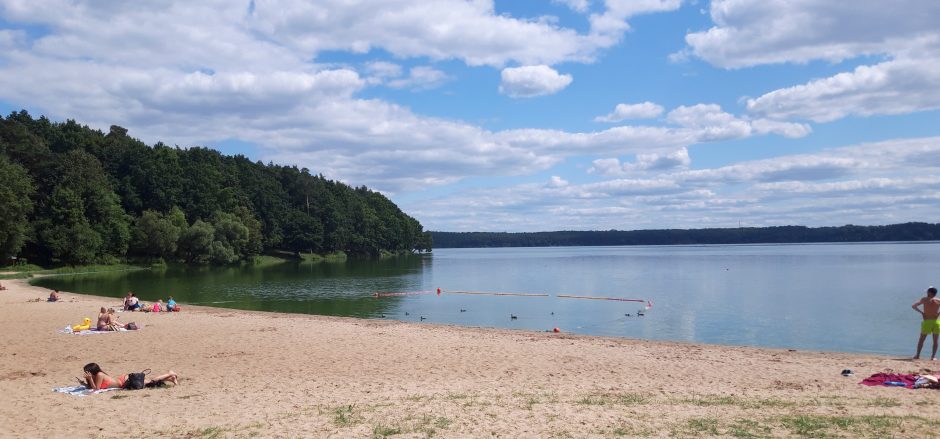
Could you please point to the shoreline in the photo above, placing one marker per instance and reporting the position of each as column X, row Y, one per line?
column 270, row 374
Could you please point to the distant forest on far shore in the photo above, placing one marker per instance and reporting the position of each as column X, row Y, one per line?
column 738, row 235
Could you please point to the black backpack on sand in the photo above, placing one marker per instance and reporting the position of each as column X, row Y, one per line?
column 135, row 380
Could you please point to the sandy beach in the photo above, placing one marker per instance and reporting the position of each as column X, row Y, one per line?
column 256, row 374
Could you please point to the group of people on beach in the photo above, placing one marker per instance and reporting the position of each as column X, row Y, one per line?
column 929, row 308
column 132, row 303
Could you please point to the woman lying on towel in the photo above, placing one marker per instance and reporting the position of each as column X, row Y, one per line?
column 95, row 378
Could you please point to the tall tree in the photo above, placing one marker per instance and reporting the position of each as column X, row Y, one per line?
column 15, row 206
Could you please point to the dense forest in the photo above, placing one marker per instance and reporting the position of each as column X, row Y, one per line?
column 745, row 235
column 70, row 194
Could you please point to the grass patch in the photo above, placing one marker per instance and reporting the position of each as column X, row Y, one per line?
column 208, row 432
column 703, row 426
column 631, row 431
column 883, row 402
column 614, row 399
column 749, row 429
column 267, row 260
column 718, row 400
column 16, row 276
column 344, row 416
column 382, row 430
column 819, row 426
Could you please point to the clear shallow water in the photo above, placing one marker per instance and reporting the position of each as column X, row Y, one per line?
column 839, row 297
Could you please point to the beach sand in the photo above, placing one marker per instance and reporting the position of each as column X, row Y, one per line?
column 257, row 374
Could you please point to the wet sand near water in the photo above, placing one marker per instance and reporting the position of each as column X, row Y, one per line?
column 257, row 374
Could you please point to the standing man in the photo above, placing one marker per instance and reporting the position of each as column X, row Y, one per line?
column 930, row 325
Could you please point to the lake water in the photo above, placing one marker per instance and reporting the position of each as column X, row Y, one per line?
column 834, row 297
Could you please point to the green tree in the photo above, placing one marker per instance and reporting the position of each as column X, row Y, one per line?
column 196, row 241
column 156, row 235
column 66, row 233
column 15, row 207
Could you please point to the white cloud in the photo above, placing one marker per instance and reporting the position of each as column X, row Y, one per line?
column 892, row 87
column 644, row 110
column 678, row 159
column 785, row 129
column 869, row 183
column 470, row 31
column 531, row 81
column 607, row 27
column 753, row 32
column 575, row 5
column 420, row 78
column 717, row 124
column 377, row 72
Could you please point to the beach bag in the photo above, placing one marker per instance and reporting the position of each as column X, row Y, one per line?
column 131, row 326
column 135, row 380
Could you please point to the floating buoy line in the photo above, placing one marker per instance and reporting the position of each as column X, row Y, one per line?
column 439, row 291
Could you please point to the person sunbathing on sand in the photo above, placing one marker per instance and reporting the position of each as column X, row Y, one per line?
column 931, row 324
column 95, row 378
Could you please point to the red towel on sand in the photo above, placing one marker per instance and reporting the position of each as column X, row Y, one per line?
column 879, row 379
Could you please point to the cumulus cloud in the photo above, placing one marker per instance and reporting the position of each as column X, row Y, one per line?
column 870, row 183
column 575, row 5
column 420, row 78
column 892, row 87
column 644, row 110
column 531, row 81
column 644, row 162
column 717, row 124
column 753, row 32
column 607, row 27
column 377, row 72
column 470, row 31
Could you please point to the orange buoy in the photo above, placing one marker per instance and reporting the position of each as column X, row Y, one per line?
column 438, row 291
column 556, row 330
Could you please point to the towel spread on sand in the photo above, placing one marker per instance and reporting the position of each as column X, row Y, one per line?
column 68, row 330
column 891, row 379
column 80, row 390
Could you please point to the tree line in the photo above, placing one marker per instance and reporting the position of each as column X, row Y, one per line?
column 73, row 195
column 741, row 235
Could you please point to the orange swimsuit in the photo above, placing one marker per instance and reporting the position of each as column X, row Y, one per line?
column 106, row 382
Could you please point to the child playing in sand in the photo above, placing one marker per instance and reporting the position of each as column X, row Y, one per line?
column 95, row 378
column 931, row 324
column 171, row 304
column 53, row 296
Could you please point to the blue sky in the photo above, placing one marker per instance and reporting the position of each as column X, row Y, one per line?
column 522, row 115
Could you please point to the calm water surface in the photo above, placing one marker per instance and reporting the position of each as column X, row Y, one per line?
column 839, row 297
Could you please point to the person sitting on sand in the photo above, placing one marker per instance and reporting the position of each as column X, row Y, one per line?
column 54, row 296
column 158, row 306
column 931, row 324
column 2, row 287
column 114, row 324
column 103, row 320
column 95, row 378
column 106, row 321
column 127, row 301
column 171, row 304
column 133, row 303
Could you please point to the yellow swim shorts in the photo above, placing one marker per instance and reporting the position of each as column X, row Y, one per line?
column 930, row 327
